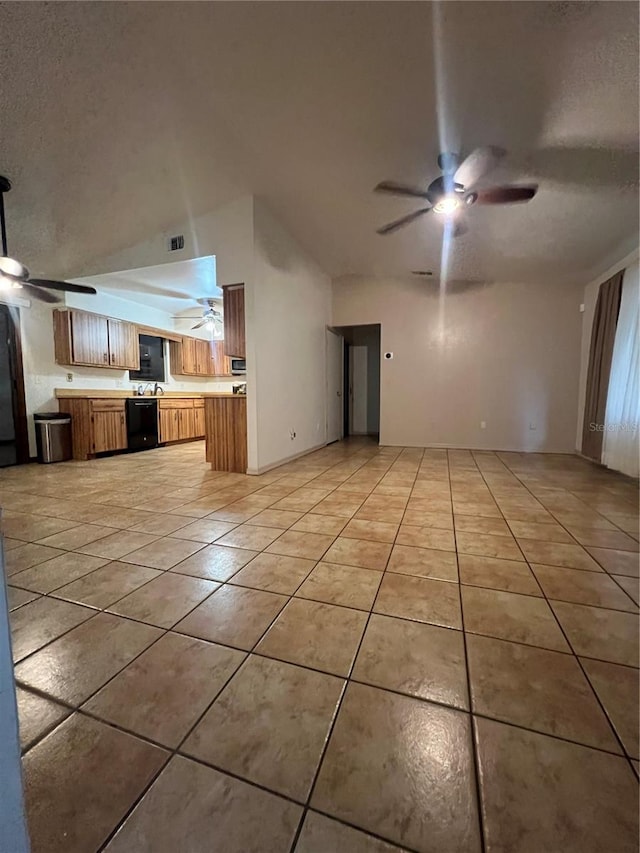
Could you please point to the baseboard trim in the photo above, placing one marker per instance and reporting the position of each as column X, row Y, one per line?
column 264, row 468
column 482, row 449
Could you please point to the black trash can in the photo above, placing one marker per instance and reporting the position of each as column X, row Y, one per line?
column 53, row 436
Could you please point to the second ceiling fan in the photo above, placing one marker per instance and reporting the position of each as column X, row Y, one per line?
column 455, row 190
column 212, row 316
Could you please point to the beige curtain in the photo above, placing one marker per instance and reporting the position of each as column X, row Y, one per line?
column 603, row 334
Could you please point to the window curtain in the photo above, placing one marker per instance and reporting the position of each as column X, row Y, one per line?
column 620, row 449
column 603, row 334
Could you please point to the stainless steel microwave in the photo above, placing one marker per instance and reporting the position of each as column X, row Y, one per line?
column 238, row 366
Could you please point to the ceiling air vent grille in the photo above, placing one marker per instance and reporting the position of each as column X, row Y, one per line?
column 176, row 243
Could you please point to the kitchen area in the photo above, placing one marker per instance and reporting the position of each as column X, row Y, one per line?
column 148, row 414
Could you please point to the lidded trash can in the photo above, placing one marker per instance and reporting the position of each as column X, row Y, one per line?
column 53, row 436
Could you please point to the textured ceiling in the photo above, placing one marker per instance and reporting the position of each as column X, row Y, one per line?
column 118, row 120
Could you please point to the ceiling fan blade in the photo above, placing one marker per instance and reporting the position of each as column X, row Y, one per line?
column 65, row 286
column 505, row 195
column 404, row 220
column 40, row 293
column 399, row 189
column 199, row 325
column 477, row 164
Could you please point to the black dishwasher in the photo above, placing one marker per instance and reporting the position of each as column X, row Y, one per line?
column 142, row 423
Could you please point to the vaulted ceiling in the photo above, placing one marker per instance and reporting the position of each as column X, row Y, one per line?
column 119, row 119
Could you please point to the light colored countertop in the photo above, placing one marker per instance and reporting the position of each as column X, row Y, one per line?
column 88, row 394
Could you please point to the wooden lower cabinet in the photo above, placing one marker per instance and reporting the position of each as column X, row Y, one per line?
column 168, row 429
column 198, row 418
column 180, row 419
column 99, row 425
column 109, row 431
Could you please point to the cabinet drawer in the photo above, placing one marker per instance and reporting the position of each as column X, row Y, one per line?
column 107, row 405
column 198, row 403
column 175, row 404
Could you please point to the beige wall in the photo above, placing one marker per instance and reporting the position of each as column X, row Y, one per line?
column 505, row 354
column 287, row 317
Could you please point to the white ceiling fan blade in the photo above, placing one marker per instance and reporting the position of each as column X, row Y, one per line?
column 200, row 324
column 479, row 163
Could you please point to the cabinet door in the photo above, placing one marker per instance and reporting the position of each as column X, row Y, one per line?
column 233, row 306
column 168, row 425
column 186, row 423
column 89, row 339
column 204, row 358
column 198, row 417
column 124, row 348
column 109, row 431
column 221, row 362
column 189, row 355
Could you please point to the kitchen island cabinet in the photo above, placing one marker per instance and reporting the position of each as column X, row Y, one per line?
column 226, row 432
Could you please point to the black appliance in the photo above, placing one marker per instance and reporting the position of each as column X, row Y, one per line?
column 151, row 360
column 142, row 423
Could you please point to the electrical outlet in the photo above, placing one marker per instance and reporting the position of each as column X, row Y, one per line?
column 483, row 424
column 119, row 383
column 69, row 377
column 533, row 426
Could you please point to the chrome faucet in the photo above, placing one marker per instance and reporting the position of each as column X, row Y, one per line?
column 158, row 390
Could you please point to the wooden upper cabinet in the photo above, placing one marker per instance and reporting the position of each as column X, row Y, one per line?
column 204, row 358
column 189, row 355
column 124, row 348
column 221, row 362
column 93, row 340
column 89, row 338
column 198, row 357
column 234, row 333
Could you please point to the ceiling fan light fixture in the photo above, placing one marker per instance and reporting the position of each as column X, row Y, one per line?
column 9, row 283
column 447, row 204
column 11, row 267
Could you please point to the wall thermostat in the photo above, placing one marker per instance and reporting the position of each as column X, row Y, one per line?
column 388, row 355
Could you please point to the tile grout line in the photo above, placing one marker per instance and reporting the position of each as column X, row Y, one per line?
column 472, row 728
column 197, row 722
column 339, row 704
column 290, row 598
column 612, row 728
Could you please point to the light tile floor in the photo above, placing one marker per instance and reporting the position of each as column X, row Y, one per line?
column 368, row 649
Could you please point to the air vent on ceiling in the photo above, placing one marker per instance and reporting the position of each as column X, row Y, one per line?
column 421, row 272
column 176, row 243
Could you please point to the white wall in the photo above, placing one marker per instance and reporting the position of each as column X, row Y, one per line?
column 589, row 299
column 505, row 354
column 288, row 310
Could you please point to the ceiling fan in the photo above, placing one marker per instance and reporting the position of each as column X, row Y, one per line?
column 15, row 276
column 212, row 316
column 455, row 190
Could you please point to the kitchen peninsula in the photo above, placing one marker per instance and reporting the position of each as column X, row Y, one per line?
column 100, row 423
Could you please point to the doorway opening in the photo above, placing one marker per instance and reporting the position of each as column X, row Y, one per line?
column 14, row 442
column 355, row 402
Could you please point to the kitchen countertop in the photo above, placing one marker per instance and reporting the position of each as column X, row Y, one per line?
column 88, row 394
